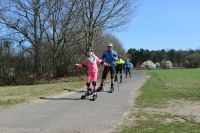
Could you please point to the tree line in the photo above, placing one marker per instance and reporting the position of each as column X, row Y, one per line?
column 44, row 38
column 179, row 58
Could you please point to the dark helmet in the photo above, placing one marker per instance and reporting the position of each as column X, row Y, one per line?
column 89, row 49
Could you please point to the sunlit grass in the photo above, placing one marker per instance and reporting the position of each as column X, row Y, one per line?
column 170, row 84
column 11, row 95
column 166, row 85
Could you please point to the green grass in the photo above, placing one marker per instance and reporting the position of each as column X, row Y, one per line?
column 163, row 86
column 170, row 84
column 11, row 95
column 157, row 127
column 156, row 123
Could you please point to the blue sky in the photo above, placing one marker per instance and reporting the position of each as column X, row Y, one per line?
column 163, row 24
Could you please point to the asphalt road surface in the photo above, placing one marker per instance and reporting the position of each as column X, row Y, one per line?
column 70, row 114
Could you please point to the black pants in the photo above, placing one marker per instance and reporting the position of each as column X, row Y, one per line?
column 128, row 71
column 106, row 70
column 118, row 70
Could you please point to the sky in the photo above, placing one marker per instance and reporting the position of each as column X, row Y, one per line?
column 163, row 24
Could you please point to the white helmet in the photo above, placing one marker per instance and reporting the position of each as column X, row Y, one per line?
column 110, row 44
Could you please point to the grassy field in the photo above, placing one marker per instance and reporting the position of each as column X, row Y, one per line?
column 11, row 95
column 163, row 87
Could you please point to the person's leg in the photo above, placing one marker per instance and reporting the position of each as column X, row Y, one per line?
column 116, row 74
column 129, row 72
column 112, row 75
column 88, row 92
column 89, row 79
column 95, row 75
column 126, row 71
column 120, row 75
column 105, row 71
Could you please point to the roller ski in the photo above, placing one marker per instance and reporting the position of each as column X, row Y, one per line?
column 100, row 89
column 111, row 88
column 94, row 96
column 120, row 79
column 89, row 93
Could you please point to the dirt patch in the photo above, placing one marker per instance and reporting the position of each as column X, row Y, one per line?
column 183, row 110
column 129, row 118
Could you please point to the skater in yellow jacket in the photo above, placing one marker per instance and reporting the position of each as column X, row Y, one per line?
column 119, row 67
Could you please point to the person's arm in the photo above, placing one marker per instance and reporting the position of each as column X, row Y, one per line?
column 98, row 60
column 125, row 64
column 84, row 64
column 103, row 56
column 115, row 56
column 131, row 65
column 78, row 65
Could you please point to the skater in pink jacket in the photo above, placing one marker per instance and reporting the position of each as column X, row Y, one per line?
column 91, row 62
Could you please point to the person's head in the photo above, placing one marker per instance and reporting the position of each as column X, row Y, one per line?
column 89, row 51
column 110, row 46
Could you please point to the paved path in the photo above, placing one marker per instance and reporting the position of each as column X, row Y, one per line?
column 69, row 114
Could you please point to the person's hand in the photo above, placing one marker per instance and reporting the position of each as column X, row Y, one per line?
column 106, row 64
column 115, row 58
column 78, row 65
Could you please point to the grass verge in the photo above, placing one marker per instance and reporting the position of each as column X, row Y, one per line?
column 163, row 87
column 11, row 95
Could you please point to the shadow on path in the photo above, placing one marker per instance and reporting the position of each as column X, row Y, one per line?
column 71, row 90
column 48, row 98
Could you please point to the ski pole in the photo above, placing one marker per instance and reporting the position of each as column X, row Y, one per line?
column 117, row 82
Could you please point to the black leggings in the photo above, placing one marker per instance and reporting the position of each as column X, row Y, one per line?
column 119, row 68
column 128, row 71
column 106, row 70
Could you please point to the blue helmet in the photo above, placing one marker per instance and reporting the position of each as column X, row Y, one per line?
column 89, row 49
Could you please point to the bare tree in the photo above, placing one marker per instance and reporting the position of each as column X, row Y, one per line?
column 102, row 15
column 61, row 30
column 100, row 45
column 6, row 60
column 26, row 18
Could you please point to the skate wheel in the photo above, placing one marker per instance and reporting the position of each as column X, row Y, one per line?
column 111, row 90
column 94, row 97
column 83, row 97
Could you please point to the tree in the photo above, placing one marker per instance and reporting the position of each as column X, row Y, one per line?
column 6, row 60
column 193, row 60
column 61, row 31
column 172, row 55
column 100, row 45
column 97, row 15
column 27, row 18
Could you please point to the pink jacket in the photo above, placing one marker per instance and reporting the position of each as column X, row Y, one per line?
column 91, row 63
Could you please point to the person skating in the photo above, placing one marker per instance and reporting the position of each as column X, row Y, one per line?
column 127, row 67
column 119, row 68
column 109, row 56
column 91, row 62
